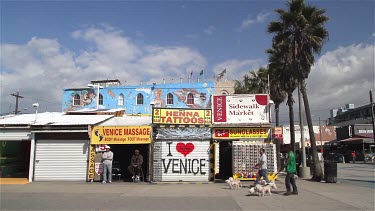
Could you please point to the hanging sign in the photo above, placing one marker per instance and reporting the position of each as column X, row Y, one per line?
column 235, row 133
column 181, row 116
column 237, row 109
column 121, row 135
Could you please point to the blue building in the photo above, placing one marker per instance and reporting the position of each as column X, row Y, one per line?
column 139, row 99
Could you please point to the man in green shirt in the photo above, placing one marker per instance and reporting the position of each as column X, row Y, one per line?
column 290, row 168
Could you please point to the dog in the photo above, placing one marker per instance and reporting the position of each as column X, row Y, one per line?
column 233, row 183
column 252, row 190
column 260, row 189
column 263, row 190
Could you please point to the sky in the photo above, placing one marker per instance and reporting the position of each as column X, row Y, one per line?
column 46, row 46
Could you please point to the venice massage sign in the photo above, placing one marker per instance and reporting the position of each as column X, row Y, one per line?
column 236, row 109
column 181, row 116
column 121, row 135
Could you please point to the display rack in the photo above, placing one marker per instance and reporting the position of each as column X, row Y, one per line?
column 245, row 156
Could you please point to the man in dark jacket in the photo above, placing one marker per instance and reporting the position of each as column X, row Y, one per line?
column 135, row 164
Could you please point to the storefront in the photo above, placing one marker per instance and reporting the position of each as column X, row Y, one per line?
column 182, row 147
column 241, row 126
column 15, row 143
column 123, row 135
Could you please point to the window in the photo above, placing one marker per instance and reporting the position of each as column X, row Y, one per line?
column 190, row 99
column 100, row 99
column 169, row 99
column 139, row 99
column 76, row 100
column 120, row 100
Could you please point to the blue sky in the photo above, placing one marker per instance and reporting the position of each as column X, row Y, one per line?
column 50, row 45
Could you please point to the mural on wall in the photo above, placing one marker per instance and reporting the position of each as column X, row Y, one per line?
column 87, row 100
column 158, row 95
column 200, row 98
column 158, row 98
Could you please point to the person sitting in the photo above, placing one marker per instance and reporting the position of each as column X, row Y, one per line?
column 135, row 164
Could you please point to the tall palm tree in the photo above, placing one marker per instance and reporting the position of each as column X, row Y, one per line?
column 301, row 28
column 277, row 92
column 280, row 73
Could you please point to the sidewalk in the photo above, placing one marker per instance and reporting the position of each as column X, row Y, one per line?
column 212, row 196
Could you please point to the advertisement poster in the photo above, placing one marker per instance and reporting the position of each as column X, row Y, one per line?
column 240, row 109
column 121, row 135
column 181, row 116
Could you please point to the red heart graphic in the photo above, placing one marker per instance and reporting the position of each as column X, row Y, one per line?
column 184, row 149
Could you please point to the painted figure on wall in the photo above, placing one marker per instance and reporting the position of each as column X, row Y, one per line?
column 158, row 100
column 200, row 98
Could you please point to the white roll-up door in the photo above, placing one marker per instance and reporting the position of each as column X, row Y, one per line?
column 181, row 160
column 61, row 160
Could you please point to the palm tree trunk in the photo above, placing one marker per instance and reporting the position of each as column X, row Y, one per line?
column 291, row 121
column 277, row 105
column 317, row 170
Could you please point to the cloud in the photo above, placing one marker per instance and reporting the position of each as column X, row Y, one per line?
column 343, row 76
column 236, row 69
column 249, row 21
column 42, row 68
column 339, row 77
column 209, row 30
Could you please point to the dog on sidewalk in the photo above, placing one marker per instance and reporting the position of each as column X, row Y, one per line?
column 233, row 183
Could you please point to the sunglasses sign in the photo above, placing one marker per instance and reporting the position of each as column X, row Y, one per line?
column 236, row 133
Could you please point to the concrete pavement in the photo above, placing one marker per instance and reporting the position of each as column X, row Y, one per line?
column 213, row 196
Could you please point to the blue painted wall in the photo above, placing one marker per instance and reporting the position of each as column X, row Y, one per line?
column 201, row 91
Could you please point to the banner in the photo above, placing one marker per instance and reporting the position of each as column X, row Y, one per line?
column 121, row 135
column 181, row 116
column 236, row 133
column 240, row 109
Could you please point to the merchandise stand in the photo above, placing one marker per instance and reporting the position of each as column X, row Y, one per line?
column 245, row 156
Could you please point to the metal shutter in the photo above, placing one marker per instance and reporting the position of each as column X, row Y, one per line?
column 61, row 160
column 181, row 160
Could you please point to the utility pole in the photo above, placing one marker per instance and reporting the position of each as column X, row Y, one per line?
column 321, row 141
column 372, row 114
column 17, row 96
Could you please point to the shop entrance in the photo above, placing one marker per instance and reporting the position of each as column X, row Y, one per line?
column 14, row 159
column 122, row 154
column 225, row 160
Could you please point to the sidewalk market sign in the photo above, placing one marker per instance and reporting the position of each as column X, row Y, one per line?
column 236, row 133
column 121, row 135
column 237, row 109
column 181, row 116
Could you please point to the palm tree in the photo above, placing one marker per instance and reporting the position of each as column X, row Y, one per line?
column 281, row 75
column 255, row 83
column 302, row 30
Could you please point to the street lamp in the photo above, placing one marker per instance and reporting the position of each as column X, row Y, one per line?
column 97, row 94
column 36, row 105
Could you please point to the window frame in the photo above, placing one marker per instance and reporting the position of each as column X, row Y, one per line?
column 190, row 99
column 101, row 99
column 169, row 99
column 139, row 100
column 120, row 101
column 76, row 100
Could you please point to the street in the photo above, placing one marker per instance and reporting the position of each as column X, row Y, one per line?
column 349, row 193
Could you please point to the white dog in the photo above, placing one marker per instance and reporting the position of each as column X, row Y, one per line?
column 263, row 190
column 233, row 183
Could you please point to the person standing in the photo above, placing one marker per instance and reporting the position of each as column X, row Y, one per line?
column 107, row 165
column 136, row 164
column 262, row 166
column 290, row 169
column 353, row 156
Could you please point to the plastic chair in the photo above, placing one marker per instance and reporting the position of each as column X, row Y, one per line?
column 116, row 173
column 141, row 176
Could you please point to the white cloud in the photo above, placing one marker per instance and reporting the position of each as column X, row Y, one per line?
column 342, row 76
column 236, row 69
column 42, row 68
column 339, row 77
column 209, row 30
column 249, row 21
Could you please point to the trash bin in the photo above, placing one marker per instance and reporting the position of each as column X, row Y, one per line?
column 330, row 172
